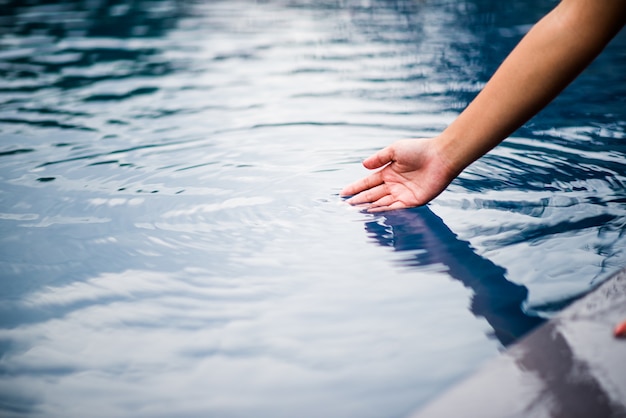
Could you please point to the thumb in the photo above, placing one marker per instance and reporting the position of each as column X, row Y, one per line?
column 381, row 158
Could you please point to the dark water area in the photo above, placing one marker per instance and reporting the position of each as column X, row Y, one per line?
column 172, row 242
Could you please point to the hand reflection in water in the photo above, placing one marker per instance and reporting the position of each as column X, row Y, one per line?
column 495, row 298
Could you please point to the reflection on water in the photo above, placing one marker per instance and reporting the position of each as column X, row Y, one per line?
column 563, row 395
column 430, row 243
column 172, row 242
column 568, row 368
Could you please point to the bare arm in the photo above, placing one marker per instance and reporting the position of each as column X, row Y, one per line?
column 549, row 57
column 545, row 61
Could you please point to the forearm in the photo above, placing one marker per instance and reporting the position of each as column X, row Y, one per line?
column 547, row 59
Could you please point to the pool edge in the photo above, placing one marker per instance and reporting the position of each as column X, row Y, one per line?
column 572, row 366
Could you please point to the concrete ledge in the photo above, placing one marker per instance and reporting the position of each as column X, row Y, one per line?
column 572, row 366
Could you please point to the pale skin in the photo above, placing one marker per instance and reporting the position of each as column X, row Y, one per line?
column 551, row 55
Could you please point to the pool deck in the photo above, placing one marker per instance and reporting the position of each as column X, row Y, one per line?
column 572, row 366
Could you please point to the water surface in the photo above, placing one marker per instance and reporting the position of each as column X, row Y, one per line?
column 172, row 240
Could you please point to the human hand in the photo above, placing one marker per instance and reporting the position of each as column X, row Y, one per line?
column 414, row 172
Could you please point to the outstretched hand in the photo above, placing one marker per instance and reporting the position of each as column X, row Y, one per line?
column 413, row 174
column 414, row 171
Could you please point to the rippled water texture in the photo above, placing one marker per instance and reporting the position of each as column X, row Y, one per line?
column 172, row 240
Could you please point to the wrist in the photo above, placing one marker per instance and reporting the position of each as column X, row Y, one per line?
column 451, row 153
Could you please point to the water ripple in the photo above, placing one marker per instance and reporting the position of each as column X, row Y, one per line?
column 169, row 178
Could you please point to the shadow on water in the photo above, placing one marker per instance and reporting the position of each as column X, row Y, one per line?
column 430, row 242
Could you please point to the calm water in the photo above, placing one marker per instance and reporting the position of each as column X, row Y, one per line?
column 172, row 242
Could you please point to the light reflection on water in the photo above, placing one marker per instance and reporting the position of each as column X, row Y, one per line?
column 172, row 239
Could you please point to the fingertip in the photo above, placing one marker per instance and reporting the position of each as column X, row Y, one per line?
column 351, row 199
column 382, row 157
column 371, row 162
column 348, row 191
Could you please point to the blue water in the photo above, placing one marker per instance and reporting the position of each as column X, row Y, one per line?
column 172, row 242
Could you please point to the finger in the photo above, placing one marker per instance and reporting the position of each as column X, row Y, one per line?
column 371, row 195
column 383, row 201
column 366, row 183
column 362, row 206
column 393, row 206
column 382, row 157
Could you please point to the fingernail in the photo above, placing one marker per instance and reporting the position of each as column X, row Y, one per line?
column 620, row 330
